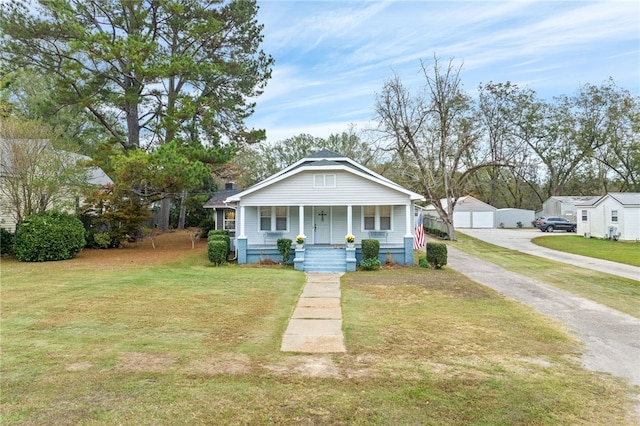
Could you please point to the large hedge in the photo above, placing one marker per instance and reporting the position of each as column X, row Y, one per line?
column 48, row 236
column 6, row 241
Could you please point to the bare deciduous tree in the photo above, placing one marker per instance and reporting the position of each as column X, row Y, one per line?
column 34, row 176
column 435, row 135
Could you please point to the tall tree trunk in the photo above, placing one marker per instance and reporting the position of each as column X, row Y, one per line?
column 165, row 206
column 183, row 210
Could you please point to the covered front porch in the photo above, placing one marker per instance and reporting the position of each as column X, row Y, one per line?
column 324, row 229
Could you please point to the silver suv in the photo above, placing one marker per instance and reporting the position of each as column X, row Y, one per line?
column 550, row 224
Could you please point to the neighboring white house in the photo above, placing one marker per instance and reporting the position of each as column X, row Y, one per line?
column 614, row 215
column 510, row 218
column 324, row 197
column 469, row 212
column 564, row 206
column 70, row 196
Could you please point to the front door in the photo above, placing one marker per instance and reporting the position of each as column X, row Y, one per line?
column 322, row 225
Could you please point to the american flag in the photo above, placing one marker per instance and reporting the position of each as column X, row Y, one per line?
column 418, row 239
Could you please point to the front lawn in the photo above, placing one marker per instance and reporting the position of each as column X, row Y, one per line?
column 615, row 251
column 162, row 337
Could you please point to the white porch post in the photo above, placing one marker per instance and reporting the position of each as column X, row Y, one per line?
column 349, row 220
column 409, row 225
column 301, row 220
column 242, row 235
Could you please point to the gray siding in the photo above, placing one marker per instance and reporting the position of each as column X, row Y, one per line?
column 350, row 189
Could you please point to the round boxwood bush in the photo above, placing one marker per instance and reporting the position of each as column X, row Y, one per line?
column 437, row 255
column 48, row 236
column 217, row 251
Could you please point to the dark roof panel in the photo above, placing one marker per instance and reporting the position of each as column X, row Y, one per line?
column 325, row 153
column 217, row 200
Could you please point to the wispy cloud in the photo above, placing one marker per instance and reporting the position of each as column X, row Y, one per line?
column 333, row 56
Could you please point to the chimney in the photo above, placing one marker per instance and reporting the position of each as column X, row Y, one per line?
column 230, row 185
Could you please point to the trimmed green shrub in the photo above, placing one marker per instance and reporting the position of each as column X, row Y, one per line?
column 49, row 236
column 221, row 237
column 370, row 264
column 437, row 255
column 284, row 247
column 6, row 241
column 370, row 249
column 218, row 232
column 217, row 251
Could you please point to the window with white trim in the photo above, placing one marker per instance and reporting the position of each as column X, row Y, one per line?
column 614, row 216
column 385, row 217
column 265, row 218
column 274, row 218
column 369, row 217
column 376, row 218
column 324, row 181
column 584, row 215
column 281, row 218
column 230, row 220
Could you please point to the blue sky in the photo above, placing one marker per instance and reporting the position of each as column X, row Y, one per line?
column 332, row 57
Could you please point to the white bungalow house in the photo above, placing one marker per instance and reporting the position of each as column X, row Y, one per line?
column 324, row 197
column 615, row 215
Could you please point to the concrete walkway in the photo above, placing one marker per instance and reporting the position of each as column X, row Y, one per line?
column 316, row 323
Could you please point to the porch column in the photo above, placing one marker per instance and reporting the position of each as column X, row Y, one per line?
column 409, row 216
column 349, row 220
column 301, row 221
column 242, row 235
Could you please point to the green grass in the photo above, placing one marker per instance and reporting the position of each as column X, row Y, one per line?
column 615, row 251
column 187, row 343
column 619, row 293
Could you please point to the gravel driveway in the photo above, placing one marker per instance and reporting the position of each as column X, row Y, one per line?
column 611, row 338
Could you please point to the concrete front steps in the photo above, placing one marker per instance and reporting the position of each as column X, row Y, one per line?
column 325, row 259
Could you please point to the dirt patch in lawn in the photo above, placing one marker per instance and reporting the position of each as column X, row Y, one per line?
column 224, row 363
column 135, row 361
column 170, row 246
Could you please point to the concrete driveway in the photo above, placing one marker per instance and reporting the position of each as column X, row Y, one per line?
column 520, row 240
column 611, row 338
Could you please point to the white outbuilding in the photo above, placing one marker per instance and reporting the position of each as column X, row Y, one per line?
column 469, row 212
column 514, row 218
